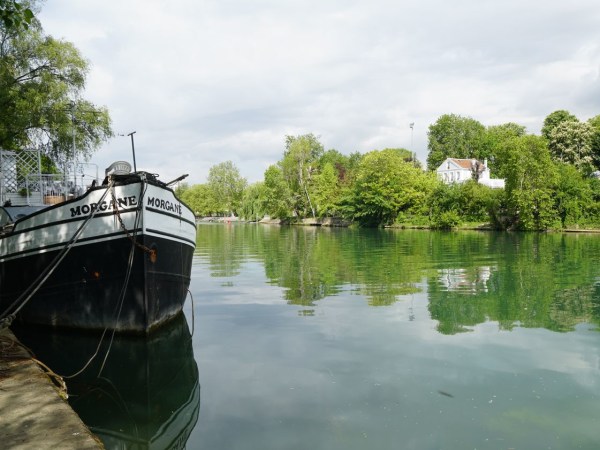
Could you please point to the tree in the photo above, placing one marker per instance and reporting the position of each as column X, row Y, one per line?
column 277, row 197
column 326, row 191
column 530, row 180
column 253, row 202
column 299, row 163
column 554, row 119
column 41, row 83
column 451, row 204
column 571, row 142
column 227, row 186
column 595, row 141
column 386, row 186
column 453, row 136
column 572, row 195
column 199, row 198
column 15, row 15
column 494, row 141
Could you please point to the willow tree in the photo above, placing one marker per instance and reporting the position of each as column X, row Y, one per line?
column 42, row 80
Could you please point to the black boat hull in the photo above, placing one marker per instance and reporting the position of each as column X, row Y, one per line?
column 87, row 290
column 128, row 270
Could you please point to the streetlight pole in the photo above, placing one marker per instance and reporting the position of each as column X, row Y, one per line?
column 133, row 150
column 412, row 126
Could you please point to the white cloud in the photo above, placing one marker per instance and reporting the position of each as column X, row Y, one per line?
column 203, row 82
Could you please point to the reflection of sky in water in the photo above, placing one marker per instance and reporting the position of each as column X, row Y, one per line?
column 351, row 376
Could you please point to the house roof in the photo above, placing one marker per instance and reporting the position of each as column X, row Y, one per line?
column 467, row 164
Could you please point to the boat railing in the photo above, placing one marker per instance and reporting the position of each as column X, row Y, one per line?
column 39, row 190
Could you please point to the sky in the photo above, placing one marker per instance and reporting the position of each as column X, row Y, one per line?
column 202, row 82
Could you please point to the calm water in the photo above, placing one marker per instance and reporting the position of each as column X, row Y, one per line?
column 307, row 338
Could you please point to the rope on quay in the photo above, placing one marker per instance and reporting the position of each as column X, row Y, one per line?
column 9, row 351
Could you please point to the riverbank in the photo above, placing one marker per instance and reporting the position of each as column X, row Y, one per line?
column 336, row 222
column 32, row 412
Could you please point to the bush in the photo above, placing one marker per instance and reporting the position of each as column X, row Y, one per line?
column 445, row 220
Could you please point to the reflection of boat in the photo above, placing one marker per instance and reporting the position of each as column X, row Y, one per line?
column 147, row 395
column 118, row 256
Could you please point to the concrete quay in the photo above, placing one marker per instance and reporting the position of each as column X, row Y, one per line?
column 33, row 415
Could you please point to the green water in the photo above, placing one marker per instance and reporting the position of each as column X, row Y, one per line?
column 310, row 338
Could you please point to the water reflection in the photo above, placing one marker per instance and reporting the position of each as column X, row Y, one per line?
column 530, row 280
column 147, row 395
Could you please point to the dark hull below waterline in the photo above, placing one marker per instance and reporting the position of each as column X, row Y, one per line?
column 85, row 291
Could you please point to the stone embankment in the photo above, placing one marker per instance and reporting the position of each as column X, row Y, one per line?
column 324, row 222
column 33, row 415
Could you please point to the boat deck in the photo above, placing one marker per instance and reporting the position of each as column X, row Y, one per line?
column 32, row 413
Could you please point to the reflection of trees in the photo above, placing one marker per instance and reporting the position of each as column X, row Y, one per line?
column 221, row 245
column 539, row 280
column 529, row 280
column 314, row 263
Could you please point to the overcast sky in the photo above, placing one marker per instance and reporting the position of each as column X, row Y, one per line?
column 207, row 81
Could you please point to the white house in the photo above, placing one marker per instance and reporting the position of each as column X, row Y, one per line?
column 454, row 170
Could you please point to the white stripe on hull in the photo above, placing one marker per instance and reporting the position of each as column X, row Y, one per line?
column 53, row 227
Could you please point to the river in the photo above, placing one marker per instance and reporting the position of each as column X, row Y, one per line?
column 318, row 338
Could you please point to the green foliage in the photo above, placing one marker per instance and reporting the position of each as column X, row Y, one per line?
column 571, row 142
column 452, row 204
column 15, row 15
column 326, row 192
column 200, row 199
column 531, row 178
column 41, row 82
column 277, row 197
column 227, row 187
column 453, row 136
column 298, row 167
column 493, row 144
column 387, row 185
column 573, row 195
column 253, row 202
column 180, row 189
column 445, row 220
column 554, row 119
column 595, row 140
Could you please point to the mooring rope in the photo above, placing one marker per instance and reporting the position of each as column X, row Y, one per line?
column 193, row 315
column 7, row 318
column 119, row 304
